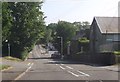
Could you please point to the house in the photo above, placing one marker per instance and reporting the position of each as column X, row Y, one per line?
column 104, row 34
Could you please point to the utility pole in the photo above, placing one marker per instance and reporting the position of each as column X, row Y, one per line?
column 61, row 41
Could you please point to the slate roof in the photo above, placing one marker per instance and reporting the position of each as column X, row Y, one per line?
column 108, row 24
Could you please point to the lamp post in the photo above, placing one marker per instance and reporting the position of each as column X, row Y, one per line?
column 8, row 47
column 61, row 41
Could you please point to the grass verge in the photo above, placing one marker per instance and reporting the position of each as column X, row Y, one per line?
column 12, row 58
column 3, row 67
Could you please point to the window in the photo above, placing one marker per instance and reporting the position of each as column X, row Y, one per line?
column 114, row 37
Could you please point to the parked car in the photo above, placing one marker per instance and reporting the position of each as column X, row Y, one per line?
column 56, row 55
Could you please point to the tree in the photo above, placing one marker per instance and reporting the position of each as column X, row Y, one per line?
column 48, row 37
column 6, row 25
column 65, row 30
column 6, row 21
column 77, row 25
column 27, row 26
column 53, row 27
column 85, row 25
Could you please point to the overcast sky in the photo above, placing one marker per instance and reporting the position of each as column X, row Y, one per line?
column 78, row 10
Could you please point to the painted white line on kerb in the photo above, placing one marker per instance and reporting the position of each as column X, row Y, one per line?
column 83, row 73
column 62, row 67
column 73, row 73
column 69, row 67
column 24, row 72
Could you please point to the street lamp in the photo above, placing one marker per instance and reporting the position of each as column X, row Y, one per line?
column 8, row 47
column 61, row 41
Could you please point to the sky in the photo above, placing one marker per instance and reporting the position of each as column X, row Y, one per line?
column 78, row 10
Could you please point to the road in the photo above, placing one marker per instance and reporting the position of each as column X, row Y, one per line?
column 45, row 68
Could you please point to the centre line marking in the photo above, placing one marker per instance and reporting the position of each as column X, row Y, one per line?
column 73, row 73
column 83, row 73
column 69, row 67
column 62, row 67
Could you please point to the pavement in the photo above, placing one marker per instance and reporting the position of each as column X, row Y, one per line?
column 41, row 67
column 115, row 68
column 16, row 69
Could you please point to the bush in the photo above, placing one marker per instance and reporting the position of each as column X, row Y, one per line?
column 24, row 54
column 106, row 52
column 116, row 52
column 12, row 58
column 2, row 67
column 83, row 40
column 82, row 53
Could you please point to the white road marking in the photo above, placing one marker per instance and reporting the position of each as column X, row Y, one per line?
column 73, row 73
column 62, row 64
column 29, row 67
column 29, row 64
column 24, row 72
column 51, row 61
column 62, row 67
column 69, row 67
column 83, row 73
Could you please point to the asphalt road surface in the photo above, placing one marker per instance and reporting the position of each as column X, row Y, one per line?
column 45, row 68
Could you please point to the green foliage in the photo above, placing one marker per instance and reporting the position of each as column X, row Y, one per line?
column 81, row 25
column 11, row 58
column 48, row 34
column 116, row 52
column 66, row 30
column 23, row 26
column 3, row 67
column 77, row 25
column 52, row 28
column 85, row 25
column 6, row 21
column 24, row 54
column 83, row 40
